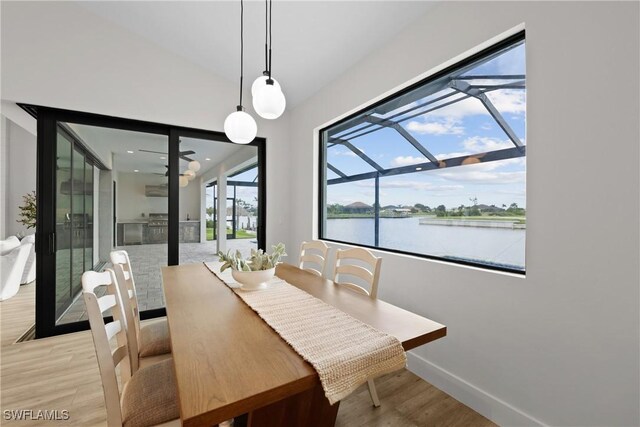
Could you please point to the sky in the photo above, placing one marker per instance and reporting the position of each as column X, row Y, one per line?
column 462, row 128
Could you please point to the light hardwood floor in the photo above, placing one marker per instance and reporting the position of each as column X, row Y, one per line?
column 61, row 373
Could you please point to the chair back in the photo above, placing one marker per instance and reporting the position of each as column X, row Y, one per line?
column 314, row 252
column 127, row 288
column 370, row 275
column 103, row 333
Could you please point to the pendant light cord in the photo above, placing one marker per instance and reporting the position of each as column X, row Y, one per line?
column 270, row 37
column 266, row 36
column 241, row 48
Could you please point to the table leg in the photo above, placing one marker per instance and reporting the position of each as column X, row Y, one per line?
column 309, row 408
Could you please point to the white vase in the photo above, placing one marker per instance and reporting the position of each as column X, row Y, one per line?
column 253, row 280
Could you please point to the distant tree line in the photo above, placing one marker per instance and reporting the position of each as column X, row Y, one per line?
column 473, row 209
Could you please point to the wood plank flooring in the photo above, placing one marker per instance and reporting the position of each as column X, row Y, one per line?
column 61, row 373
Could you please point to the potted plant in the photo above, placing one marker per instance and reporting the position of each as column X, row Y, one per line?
column 28, row 210
column 254, row 272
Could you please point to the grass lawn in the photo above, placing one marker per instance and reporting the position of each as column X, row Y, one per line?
column 240, row 234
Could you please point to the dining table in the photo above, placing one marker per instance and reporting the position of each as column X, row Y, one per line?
column 230, row 364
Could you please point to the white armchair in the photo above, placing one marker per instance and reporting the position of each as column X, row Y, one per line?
column 11, row 268
column 29, row 274
column 8, row 245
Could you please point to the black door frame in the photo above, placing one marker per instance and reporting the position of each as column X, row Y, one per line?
column 47, row 120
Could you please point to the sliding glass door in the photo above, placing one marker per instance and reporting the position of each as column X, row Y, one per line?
column 107, row 183
column 74, row 219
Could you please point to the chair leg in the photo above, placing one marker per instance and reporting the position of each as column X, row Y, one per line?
column 374, row 393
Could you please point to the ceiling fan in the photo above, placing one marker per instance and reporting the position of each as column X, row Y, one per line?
column 167, row 172
column 183, row 154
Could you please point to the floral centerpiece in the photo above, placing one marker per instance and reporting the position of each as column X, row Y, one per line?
column 253, row 272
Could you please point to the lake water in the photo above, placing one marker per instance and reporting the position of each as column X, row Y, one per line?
column 492, row 245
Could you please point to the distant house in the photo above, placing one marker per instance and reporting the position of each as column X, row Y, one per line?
column 358, row 207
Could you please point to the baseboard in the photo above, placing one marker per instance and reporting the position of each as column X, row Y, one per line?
column 489, row 406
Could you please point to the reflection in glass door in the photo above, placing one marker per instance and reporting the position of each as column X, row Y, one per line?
column 63, row 225
column 137, row 214
column 74, row 220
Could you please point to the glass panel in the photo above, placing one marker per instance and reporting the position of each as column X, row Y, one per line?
column 211, row 212
column 231, row 213
column 198, row 193
column 453, row 152
column 349, row 212
column 77, row 222
column 135, row 162
column 347, row 161
column 63, row 224
column 88, row 211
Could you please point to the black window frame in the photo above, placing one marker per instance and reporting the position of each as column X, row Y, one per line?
column 322, row 164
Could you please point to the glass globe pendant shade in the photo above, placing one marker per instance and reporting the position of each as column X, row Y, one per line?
column 189, row 174
column 184, row 181
column 262, row 81
column 194, row 165
column 269, row 102
column 240, row 127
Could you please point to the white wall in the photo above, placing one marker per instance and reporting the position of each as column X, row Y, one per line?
column 4, row 128
column 92, row 65
column 132, row 202
column 560, row 346
column 18, row 174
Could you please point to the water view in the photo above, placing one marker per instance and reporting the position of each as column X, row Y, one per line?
column 485, row 245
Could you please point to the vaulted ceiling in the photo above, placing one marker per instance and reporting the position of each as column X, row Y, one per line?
column 313, row 41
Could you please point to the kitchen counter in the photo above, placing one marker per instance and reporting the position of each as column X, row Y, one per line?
column 138, row 232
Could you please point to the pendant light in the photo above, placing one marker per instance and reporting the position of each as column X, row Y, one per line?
column 189, row 174
column 239, row 126
column 194, row 165
column 268, row 99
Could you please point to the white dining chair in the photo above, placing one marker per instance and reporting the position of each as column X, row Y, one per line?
column 315, row 253
column 350, row 262
column 149, row 394
column 151, row 341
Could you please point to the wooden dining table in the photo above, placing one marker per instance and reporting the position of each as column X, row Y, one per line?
column 230, row 364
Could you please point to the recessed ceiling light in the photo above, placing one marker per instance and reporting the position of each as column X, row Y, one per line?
column 129, row 151
column 136, row 170
column 207, row 159
column 163, row 158
column 418, row 169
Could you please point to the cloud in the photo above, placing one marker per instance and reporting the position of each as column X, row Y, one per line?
column 345, row 153
column 506, row 101
column 431, row 127
column 484, row 177
column 407, row 161
column 511, row 101
column 412, row 185
column 482, row 144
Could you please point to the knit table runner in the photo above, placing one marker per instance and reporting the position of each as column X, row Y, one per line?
column 343, row 350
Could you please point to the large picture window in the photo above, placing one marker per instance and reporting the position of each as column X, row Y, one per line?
column 438, row 169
